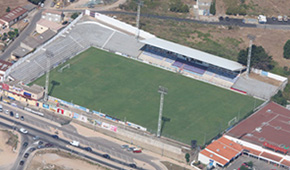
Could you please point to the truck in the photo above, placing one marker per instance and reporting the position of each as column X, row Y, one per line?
column 280, row 18
column 75, row 143
column 262, row 19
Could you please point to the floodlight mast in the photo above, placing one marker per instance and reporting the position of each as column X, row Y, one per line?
column 49, row 55
column 251, row 37
column 162, row 91
column 138, row 18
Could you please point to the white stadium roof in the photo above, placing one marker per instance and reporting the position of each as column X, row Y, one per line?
column 192, row 53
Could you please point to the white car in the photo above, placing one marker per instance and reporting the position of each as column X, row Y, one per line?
column 16, row 115
column 23, row 130
column 75, row 143
column 7, row 112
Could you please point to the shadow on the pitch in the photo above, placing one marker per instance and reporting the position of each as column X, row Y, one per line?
column 53, row 83
column 164, row 121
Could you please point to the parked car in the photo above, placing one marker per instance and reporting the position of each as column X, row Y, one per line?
column 75, row 143
column 32, row 149
column 25, row 144
column 48, row 145
column 26, row 155
column 22, row 118
column 131, row 148
column 7, row 112
column 133, row 165
column 55, row 136
column 11, row 114
column 106, row 156
column 40, row 146
column 35, row 137
column 89, row 149
column 137, row 150
column 22, row 130
column 16, row 115
column 125, row 146
column 21, row 163
column 40, row 142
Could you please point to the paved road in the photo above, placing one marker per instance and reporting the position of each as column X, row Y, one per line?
column 26, row 32
column 98, row 144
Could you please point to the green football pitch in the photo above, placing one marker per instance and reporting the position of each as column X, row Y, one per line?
column 127, row 89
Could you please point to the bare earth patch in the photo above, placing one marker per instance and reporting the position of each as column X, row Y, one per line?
column 7, row 140
column 60, row 161
column 12, row 4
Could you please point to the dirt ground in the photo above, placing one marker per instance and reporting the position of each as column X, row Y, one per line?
column 273, row 8
column 10, row 3
column 6, row 151
column 256, row 7
column 273, row 41
column 60, row 161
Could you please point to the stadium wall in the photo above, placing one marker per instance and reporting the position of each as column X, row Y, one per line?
column 122, row 25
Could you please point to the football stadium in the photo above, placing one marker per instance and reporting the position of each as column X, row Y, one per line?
column 99, row 63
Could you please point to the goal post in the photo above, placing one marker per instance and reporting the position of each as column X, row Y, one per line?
column 232, row 121
column 64, row 67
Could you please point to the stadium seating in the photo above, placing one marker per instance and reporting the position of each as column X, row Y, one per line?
column 189, row 66
column 231, row 77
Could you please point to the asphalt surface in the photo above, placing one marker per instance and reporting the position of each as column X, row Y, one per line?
column 99, row 145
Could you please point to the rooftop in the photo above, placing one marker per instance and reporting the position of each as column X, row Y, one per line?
column 20, row 51
column 222, row 150
column 13, row 14
column 35, row 41
column 4, row 65
column 270, row 124
column 195, row 54
column 50, row 24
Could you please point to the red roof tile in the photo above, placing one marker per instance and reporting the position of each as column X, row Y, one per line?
column 214, row 157
column 14, row 14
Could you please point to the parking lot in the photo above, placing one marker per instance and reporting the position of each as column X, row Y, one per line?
column 257, row 164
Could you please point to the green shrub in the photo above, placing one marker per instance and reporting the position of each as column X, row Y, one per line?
column 286, row 53
column 212, row 8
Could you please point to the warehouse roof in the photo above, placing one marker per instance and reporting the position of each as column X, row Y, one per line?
column 194, row 54
column 15, row 13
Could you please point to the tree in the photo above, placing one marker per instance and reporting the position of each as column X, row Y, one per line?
column 279, row 98
column 212, row 9
column 74, row 15
column 178, row 6
column 187, row 156
column 259, row 59
column 36, row 2
column 286, row 53
column 11, row 34
column 8, row 9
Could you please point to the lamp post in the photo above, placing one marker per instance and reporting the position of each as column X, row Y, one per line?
column 162, row 91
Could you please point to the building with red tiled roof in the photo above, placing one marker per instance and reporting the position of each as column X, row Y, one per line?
column 13, row 16
column 220, row 152
column 264, row 135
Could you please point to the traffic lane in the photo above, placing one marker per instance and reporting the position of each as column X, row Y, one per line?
column 60, row 141
column 97, row 143
column 111, row 148
column 29, row 117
